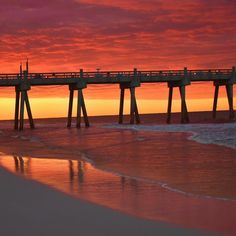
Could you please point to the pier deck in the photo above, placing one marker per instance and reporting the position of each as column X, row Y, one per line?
column 115, row 77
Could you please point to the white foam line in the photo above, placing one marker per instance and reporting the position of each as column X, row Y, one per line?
column 219, row 134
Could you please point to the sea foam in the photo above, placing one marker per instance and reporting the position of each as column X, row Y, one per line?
column 221, row 134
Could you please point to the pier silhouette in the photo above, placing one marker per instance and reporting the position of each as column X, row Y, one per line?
column 127, row 80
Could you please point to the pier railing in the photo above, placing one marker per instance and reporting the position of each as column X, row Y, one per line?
column 144, row 76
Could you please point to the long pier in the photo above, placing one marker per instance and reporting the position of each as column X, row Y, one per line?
column 127, row 80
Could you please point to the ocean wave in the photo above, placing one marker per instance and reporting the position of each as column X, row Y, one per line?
column 221, row 134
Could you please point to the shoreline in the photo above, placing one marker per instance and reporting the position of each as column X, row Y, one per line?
column 52, row 140
column 66, row 215
column 37, row 146
column 174, row 200
column 163, row 185
column 180, row 226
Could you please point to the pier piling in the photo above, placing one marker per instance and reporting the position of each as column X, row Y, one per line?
column 81, row 108
column 122, row 97
column 181, row 84
column 17, row 103
column 228, row 84
column 22, row 100
column 71, row 98
column 134, row 114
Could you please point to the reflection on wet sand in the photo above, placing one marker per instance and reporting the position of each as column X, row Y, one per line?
column 137, row 197
column 22, row 165
column 80, row 173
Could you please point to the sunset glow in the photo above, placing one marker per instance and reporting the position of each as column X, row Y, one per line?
column 157, row 34
column 66, row 35
column 42, row 107
column 53, row 101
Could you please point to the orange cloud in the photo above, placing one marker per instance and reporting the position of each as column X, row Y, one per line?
column 155, row 34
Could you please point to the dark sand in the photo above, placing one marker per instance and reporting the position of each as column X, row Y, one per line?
column 29, row 208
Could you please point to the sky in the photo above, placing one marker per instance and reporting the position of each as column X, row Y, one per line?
column 66, row 35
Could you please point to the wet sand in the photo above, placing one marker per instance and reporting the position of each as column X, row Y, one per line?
column 29, row 208
column 196, row 170
column 139, row 198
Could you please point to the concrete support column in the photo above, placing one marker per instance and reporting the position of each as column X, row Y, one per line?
column 134, row 114
column 181, row 84
column 21, row 101
column 229, row 91
column 81, row 108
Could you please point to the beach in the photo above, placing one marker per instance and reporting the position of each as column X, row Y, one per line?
column 29, row 208
column 151, row 179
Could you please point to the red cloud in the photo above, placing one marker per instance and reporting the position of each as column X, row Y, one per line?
column 68, row 35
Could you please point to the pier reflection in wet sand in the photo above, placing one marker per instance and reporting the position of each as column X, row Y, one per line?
column 138, row 197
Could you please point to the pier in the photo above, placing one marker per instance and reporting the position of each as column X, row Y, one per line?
column 126, row 80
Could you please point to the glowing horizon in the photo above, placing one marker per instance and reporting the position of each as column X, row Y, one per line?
column 52, row 101
column 42, row 107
